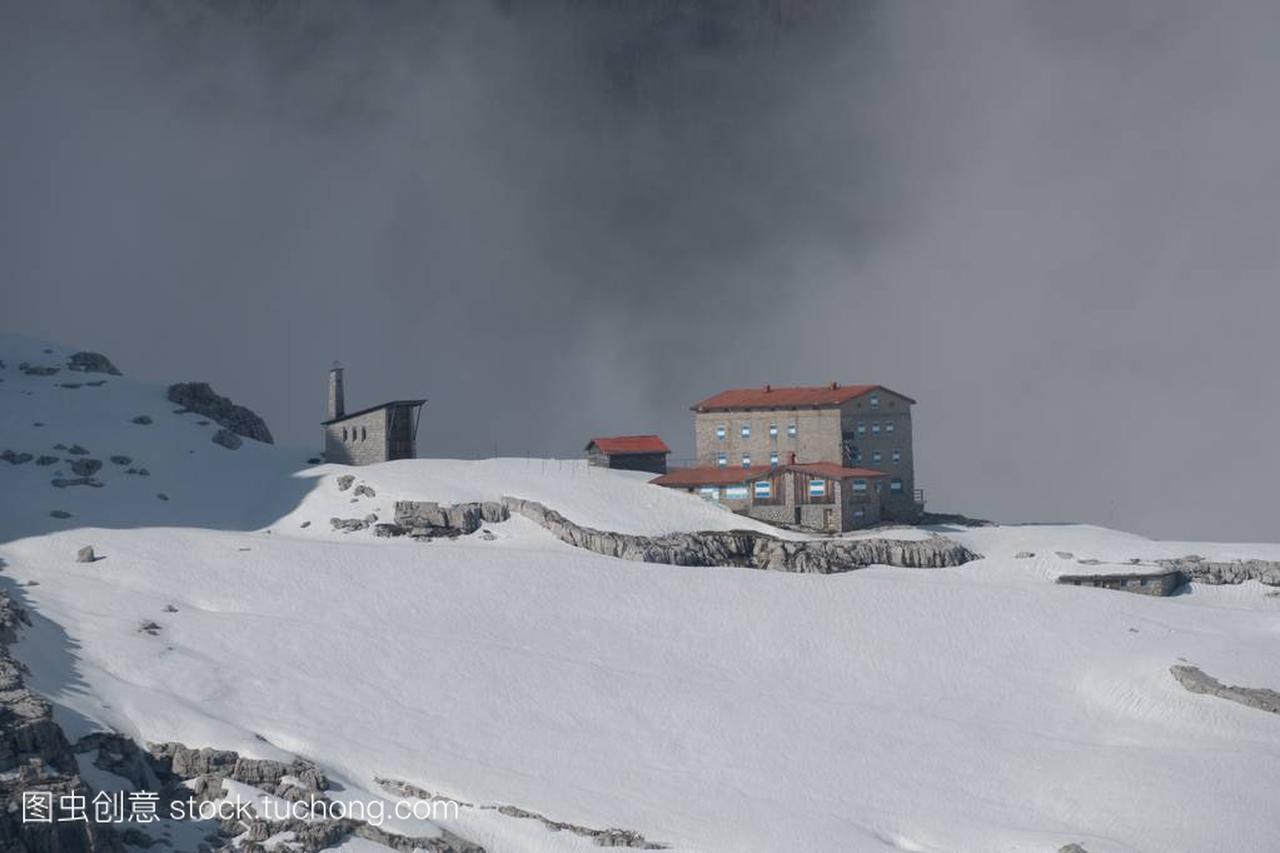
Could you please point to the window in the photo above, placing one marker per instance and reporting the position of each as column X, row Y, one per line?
column 746, row 460
column 746, row 430
column 888, row 426
column 859, row 487
column 720, row 431
column 875, row 400
column 722, row 460
column 857, row 455
column 791, row 429
column 735, row 493
column 875, row 456
column 344, row 433
column 710, row 492
column 857, row 513
column 862, row 428
column 773, row 430
column 897, row 455
column 773, row 458
column 875, row 429
column 364, row 434
column 895, row 485
column 817, row 488
column 764, row 489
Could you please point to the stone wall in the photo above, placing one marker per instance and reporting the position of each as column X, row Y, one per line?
column 359, row 440
column 817, row 437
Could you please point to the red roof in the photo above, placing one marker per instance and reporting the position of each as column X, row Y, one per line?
column 831, row 471
column 623, row 444
column 709, row 475
column 785, row 398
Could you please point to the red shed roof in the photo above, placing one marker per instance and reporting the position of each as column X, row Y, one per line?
column 709, row 475
column 768, row 396
column 623, row 444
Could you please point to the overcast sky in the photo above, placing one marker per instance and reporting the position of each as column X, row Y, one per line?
column 1053, row 224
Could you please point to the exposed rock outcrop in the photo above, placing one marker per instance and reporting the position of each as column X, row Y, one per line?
column 91, row 362
column 1196, row 681
column 198, row 397
column 15, row 458
column 1200, row 570
column 227, row 439
column 35, row 756
column 748, row 548
column 1144, row 583
column 430, row 519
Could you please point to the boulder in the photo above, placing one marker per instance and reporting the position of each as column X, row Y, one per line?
column 58, row 513
column 76, row 450
column 227, row 439
column 120, row 460
column 86, row 467
column 91, row 362
column 86, row 555
column 200, row 398
column 47, row 460
column 365, row 491
column 15, row 458
column 345, row 481
column 143, row 420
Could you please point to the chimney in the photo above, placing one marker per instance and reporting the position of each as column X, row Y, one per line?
column 835, row 385
column 791, row 458
column 337, row 407
column 768, row 388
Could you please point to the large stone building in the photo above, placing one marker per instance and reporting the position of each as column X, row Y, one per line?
column 377, row 434
column 629, row 453
column 850, row 426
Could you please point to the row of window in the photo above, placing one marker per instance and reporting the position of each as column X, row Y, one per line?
column 745, row 430
column 877, row 456
column 895, row 456
column 875, row 427
column 764, row 489
column 363, row 434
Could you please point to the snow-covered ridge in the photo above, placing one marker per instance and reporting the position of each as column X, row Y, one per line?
column 975, row 708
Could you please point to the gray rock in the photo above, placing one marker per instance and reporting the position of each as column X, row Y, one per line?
column 143, row 420
column 121, row 460
column 91, row 362
column 86, row 467
column 1024, row 555
column 86, row 555
column 388, row 529
column 365, row 491
column 69, row 384
column 149, row 627
column 1196, row 681
column 1200, row 570
column 1072, row 848
column 348, row 525
column 345, row 481
column 305, row 524
column 62, row 482
column 1065, row 555
column 428, row 518
column 59, row 513
column 47, row 460
column 15, row 458
column 77, row 450
column 747, row 548
column 227, row 439
column 162, row 496
column 37, row 370
column 203, row 400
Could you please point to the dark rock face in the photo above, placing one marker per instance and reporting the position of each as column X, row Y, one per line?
column 201, row 399
column 748, row 548
column 91, row 362
column 1143, row 583
column 227, row 439
column 35, row 756
column 1196, row 681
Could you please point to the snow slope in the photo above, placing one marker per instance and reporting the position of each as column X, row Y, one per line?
column 981, row 708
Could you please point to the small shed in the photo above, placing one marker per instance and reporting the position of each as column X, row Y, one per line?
column 629, row 453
